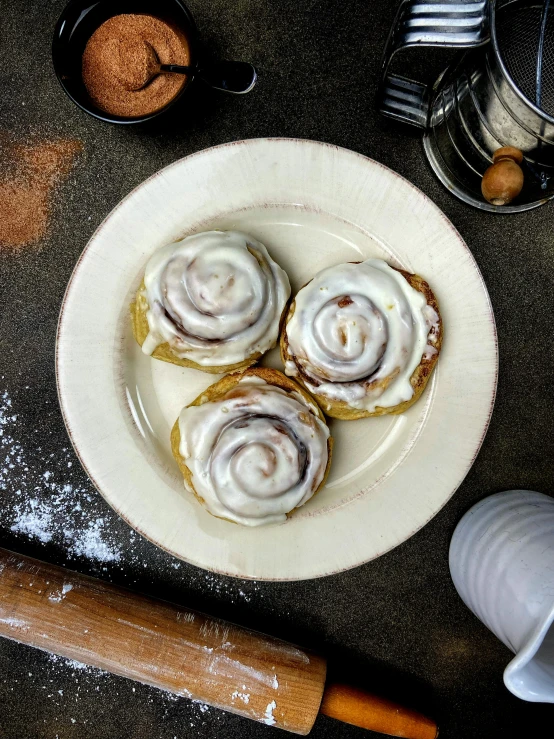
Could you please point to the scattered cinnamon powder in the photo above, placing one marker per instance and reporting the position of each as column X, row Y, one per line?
column 29, row 175
column 123, row 54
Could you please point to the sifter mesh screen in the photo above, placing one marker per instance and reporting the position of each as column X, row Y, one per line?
column 518, row 26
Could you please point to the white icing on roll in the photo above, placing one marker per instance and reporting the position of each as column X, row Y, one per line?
column 215, row 297
column 358, row 333
column 255, row 454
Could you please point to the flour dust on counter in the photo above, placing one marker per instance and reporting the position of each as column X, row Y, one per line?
column 68, row 688
column 46, row 499
column 230, row 588
column 47, row 506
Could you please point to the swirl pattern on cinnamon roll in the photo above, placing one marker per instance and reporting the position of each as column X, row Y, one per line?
column 253, row 447
column 363, row 338
column 213, row 301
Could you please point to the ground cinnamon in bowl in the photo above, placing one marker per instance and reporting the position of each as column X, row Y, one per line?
column 119, row 59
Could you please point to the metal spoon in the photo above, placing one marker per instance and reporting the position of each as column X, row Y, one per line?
column 236, row 77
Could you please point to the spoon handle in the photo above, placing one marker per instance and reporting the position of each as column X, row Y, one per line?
column 178, row 68
column 237, row 77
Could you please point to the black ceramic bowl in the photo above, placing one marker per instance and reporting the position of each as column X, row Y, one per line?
column 79, row 21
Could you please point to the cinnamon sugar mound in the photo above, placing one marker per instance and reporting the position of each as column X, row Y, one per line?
column 29, row 176
column 121, row 57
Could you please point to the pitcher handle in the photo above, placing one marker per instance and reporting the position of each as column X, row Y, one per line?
column 448, row 23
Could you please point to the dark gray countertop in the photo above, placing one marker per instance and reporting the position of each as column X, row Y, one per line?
column 396, row 623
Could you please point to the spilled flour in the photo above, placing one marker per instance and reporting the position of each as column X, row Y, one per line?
column 269, row 717
column 45, row 497
column 58, row 597
column 48, row 507
column 230, row 588
column 75, row 666
column 244, row 697
column 71, row 693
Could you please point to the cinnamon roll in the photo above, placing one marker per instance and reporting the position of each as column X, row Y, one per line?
column 253, row 447
column 213, row 301
column 363, row 338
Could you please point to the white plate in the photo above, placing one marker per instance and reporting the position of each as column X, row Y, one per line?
column 312, row 205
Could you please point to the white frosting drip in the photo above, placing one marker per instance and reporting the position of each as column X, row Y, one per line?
column 359, row 331
column 290, row 368
column 256, row 454
column 215, row 297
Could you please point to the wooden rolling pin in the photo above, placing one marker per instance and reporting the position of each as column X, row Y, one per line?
column 185, row 652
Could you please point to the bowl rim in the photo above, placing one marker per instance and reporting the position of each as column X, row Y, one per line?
column 98, row 113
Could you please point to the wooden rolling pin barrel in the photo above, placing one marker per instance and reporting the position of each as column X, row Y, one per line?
column 185, row 652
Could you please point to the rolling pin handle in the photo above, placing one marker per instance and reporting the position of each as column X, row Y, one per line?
column 356, row 707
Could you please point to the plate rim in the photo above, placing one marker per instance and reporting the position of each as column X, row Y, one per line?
column 247, row 142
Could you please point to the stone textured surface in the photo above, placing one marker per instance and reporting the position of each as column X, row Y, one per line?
column 396, row 624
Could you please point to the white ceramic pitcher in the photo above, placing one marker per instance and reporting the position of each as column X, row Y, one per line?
column 502, row 564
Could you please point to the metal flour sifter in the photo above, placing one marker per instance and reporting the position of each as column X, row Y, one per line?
column 498, row 92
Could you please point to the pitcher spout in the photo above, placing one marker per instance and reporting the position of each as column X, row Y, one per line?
column 530, row 675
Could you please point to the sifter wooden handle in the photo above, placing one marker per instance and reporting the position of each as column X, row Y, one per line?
column 354, row 706
column 503, row 180
column 159, row 644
